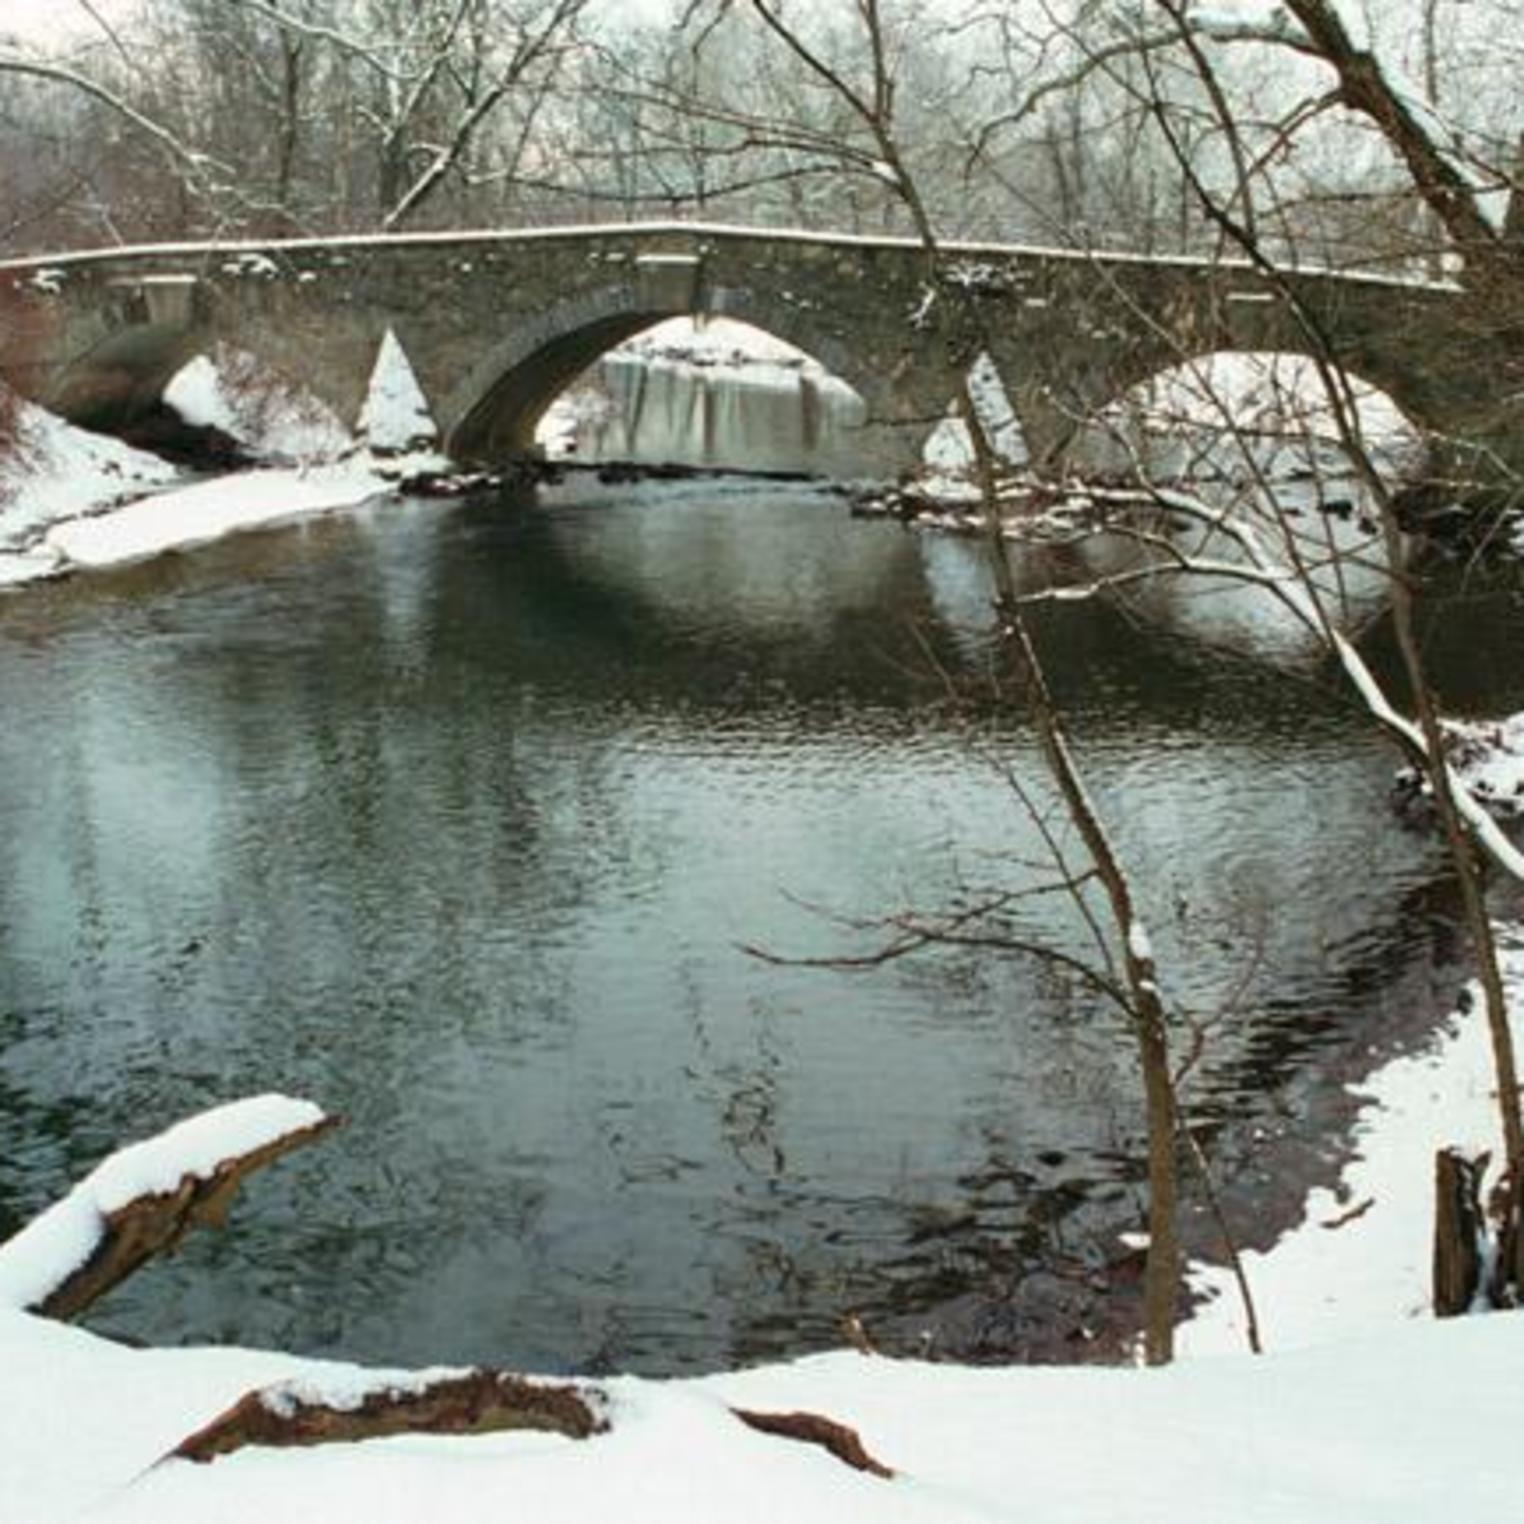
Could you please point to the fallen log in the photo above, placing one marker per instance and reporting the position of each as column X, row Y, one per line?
column 815, row 1429
column 481, row 1401
column 478, row 1401
column 144, row 1199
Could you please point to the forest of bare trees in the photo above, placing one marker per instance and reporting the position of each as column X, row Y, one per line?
column 1058, row 121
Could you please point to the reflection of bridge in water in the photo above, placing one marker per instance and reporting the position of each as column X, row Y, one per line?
column 497, row 324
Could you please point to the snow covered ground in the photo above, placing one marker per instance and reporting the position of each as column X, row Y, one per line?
column 1359, row 1262
column 194, row 515
column 1358, row 1265
column 1416, row 1426
column 57, row 473
column 1413, row 1425
column 1240, row 414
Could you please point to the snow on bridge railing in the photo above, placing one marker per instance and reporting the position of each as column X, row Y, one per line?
column 477, row 237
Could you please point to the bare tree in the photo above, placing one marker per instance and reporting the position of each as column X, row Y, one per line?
column 867, row 82
column 1253, row 540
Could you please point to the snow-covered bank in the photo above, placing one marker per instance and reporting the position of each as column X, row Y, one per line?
column 1361, row 1258
column 72, row 500
column 196, row 515
column 207, row 511
column 1489, row 758
column 54, row 473
column 1414, row 1426
column 1392, row 1418
column 1359, row 1262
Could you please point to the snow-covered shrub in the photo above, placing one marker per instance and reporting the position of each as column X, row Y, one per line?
column 236, row 392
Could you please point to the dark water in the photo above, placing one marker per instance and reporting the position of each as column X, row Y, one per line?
column 455, row 818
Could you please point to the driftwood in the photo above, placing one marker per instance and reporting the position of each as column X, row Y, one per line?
column 1459, row 1230
column 155, row 1224
column 814, row 1429
column 477, row 1402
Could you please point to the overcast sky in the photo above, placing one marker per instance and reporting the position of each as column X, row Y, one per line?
column 40, row 18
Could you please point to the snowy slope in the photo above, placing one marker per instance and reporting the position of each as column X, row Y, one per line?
column 1409, row 1428
column 57, row 472
column 231, row 391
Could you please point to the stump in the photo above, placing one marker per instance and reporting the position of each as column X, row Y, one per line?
column 1459, row 1229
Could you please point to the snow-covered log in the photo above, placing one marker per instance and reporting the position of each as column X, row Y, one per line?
column 375, row 1405
column 143, row 1199
column 477, row 1401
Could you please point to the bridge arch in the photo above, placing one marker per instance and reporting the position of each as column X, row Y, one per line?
column 1120, row 345
column 1195, row 401
column 492, row 413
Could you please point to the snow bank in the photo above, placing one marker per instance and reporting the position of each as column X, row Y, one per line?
column 58, row 1242
column 56, row 471
column 1409, row 1428
column 395, row 418
column 1408, row 1421
column 1489, row 759
column 209, row 511
column 1359, row 1263
column 1242, row 412
column 70, row 499
column 232, row 391
column 580, row 409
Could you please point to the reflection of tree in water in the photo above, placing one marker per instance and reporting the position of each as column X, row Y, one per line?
column 1022, row 1253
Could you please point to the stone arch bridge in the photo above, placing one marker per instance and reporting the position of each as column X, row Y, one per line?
column 496, row 324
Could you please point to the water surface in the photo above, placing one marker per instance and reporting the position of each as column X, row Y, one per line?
column 457, row 818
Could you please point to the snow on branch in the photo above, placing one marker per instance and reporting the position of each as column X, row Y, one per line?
column 1425, row 143
column 1285, row 581
column 1250, row 21
column 144, row 1199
